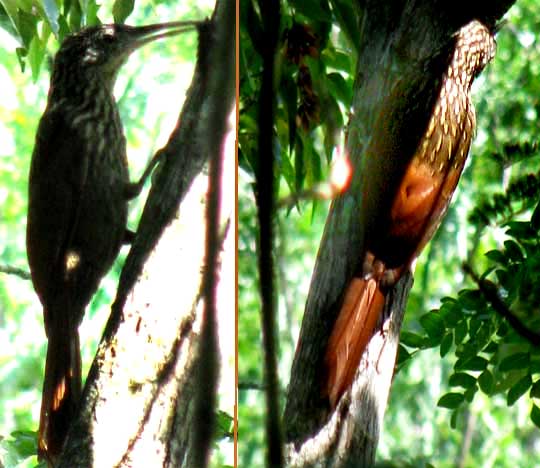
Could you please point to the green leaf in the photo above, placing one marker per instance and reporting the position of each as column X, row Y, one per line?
column 26, row 23
column 122, row 9
column 254, row 26
column 461, row 379
column 503, row 276
column 91, row 13
column 311, row 10
column 411, row 339
column 446, row 344
column 20, row 446
column 451, row 313
column 491, row 348
column 453, row 419
column 451, row 400
column 503, row 329
column 483, row 335
column 535, row 390
column 515, row 361
column 520, row 230
column 535, row 415
column 299, row 163
column 337, row 60
column 63, row 30
column 224, row 425
column 22, row 53
column 471, row 299
column 466, row 350
column 513, row 251
column 312, row 163
column 470, row 392
column 289, row 92
column 9, row 15
column 475, row 363
column 287, row 171
column 474, row 326
column 348, row 21
column 403, row 355
column 485, row 382
column 75, row 17
column 6, row 22
column 518, row 389
column 496, row 256
column 332, row 121
column 433, row 324
column 339, row 88
column 36, row 53
column 51, row 12
column 461, row 331
column 535, row 218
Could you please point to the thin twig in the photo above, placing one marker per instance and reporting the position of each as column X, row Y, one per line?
column 11, row 270
column 322, row 191
column 248, row 385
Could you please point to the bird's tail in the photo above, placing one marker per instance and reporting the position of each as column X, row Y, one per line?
column 61, row 391
column 362, row 306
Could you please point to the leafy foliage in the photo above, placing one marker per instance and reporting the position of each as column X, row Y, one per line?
column 313, row 86
column 33, row 23
column 501, row 361
column 19, row 447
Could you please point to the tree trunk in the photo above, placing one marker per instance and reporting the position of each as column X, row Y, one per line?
column 404, row 50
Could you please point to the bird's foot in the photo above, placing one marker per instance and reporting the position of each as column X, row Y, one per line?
column 376, row 269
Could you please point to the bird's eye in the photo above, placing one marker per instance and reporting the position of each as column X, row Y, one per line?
column 108, row 34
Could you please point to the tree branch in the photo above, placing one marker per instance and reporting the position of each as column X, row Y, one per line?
column 264, row 194
column 219, row 102
column 489, row 291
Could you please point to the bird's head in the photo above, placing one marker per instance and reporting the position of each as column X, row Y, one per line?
column 475, row 48
column 100, row 51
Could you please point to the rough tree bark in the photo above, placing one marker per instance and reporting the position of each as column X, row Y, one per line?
column 138, row 406
column 404, row 49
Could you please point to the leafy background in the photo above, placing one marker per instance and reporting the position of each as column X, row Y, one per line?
column 149, row 90
column 467, row 389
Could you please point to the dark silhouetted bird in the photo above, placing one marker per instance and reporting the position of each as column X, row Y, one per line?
column 78, row 192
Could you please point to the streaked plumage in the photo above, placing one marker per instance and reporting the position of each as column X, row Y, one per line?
column 417, row 210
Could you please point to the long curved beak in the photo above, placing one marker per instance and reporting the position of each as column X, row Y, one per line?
column 141, row 35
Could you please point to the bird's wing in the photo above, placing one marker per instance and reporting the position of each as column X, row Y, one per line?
column 58, row 175
column 432, row 176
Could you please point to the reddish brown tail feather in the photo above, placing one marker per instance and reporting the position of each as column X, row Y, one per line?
column 61, row 392
column 354, row 327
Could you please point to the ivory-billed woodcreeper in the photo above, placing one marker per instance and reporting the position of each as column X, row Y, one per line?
column 78, row 192
column 416, row 211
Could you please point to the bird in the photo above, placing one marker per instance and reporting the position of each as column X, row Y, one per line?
column 78, row 195
column 418, row 206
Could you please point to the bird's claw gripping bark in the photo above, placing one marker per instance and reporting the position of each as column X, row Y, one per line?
column 376, row 269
